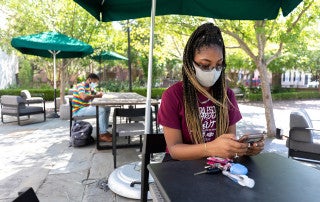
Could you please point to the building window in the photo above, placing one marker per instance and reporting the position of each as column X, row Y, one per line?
column 289, row 76
column 306, row 80
column 300, row 76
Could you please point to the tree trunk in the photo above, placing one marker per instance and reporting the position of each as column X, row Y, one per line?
column 276, row 80
column 267, row 99
column 63, row 78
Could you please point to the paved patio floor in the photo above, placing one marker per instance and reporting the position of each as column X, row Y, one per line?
column 37, row 155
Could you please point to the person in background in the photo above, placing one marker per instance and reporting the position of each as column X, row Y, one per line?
column 199, row 113
column 83, row 94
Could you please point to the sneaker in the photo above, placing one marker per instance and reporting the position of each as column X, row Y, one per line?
column 106, row 137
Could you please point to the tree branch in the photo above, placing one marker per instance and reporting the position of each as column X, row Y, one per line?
column 289, row 30
column 233, row 47
column 276, row 55
column 261, row 38
column 242, row 44
column 176, row 47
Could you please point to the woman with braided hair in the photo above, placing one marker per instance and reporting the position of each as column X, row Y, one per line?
column 199, row 114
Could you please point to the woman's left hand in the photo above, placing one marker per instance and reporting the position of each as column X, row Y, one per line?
column 255, row 148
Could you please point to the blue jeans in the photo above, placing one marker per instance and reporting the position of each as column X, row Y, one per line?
column 104, row 113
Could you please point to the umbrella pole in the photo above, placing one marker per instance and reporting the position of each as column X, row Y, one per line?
column 54, row 53
column 129, row 61
column 147, row 128
column 101, row 74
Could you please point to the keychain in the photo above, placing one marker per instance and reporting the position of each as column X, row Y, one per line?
column 235, row 171
column 208, row 170
column 214, row 159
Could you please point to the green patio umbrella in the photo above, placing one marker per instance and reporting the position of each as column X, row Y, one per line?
column 116, row 10
column 52, row 44
column 107, row 55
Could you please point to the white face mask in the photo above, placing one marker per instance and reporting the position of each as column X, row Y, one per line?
column 92, row 85
column 207, row 78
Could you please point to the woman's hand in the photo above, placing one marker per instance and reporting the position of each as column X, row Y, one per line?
column 227, row 146
column 255, row 148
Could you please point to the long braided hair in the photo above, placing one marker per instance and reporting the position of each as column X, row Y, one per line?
column 206, row 35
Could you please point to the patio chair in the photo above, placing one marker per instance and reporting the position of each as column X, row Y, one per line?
column 25, row 94
column 128, row 129
column 154, row 114
column 153, row 143
column 12, row 105
column 300, row 143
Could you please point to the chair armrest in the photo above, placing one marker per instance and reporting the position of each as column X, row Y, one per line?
column 315, row 129
column 37, row 95
column 302, row 128
column 315, row 133
column 33, row 100
column 300, row 134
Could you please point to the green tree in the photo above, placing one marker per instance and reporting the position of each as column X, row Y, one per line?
column 33, row 16
column 25, row 74
column 264, row 41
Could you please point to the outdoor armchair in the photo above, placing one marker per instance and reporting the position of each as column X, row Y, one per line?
column 302, row 141
column 17, row 106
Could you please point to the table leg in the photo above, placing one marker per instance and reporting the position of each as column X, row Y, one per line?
column 97, row 128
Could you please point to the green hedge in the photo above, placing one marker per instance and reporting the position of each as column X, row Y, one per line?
column 48, row 94
column 286, row 96
column 156, row 93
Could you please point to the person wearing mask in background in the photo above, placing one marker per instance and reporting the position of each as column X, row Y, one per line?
column 199, row 114
column 83, row 94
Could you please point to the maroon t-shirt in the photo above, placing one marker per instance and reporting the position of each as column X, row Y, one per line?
column 172, row 114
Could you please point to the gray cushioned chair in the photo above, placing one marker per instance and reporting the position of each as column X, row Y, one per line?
column 301, row 142
column 12, row 105
column 25, row 94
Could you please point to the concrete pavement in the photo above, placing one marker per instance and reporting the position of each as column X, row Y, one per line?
column 38, row 155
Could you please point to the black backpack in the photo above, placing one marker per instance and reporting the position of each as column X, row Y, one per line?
column 81, row 134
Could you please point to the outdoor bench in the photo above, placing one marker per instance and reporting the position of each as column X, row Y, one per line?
column 238, row 92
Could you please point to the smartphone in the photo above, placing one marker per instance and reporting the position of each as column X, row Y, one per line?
column 251, row 138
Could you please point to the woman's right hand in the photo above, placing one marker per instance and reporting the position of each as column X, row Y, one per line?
column 226, row 146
